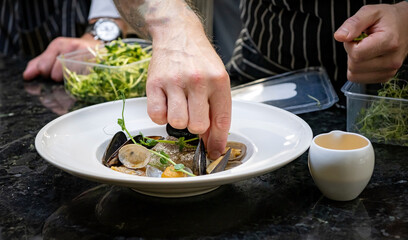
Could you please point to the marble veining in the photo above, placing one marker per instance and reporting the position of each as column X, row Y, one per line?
column 39, row 201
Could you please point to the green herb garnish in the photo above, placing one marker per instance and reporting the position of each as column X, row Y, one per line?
column 163, row 160
column 181, row 143
column 315, row 99
column 361, row 37
column 386, row 120
column 178, row 167
column 101, row 84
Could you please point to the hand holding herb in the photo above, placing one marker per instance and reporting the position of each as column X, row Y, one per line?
column 378, row 57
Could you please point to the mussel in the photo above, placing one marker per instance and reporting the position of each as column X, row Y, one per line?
column 200, row 159
column 178, row 133
column 139, row 138
column 201, row 165
column 219, row 164
column 117, row 141
column 113, row 159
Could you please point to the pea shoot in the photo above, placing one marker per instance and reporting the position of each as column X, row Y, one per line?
column 360, row 37
column 96, row 83
column 386, row 120
column 318, row 104
column 181, row 142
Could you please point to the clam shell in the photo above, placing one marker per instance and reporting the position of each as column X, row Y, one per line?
column 134, row 156
column 237, row 145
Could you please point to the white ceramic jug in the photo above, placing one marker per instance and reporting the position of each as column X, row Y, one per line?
column 341, row 164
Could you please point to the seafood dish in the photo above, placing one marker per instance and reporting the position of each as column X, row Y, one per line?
column 180, row 154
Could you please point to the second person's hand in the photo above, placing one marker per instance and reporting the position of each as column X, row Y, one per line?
column 47, row 65
column 377, row 57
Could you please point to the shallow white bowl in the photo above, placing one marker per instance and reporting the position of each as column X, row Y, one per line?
column 75, row 143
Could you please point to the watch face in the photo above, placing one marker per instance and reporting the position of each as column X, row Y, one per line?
column 107, row 30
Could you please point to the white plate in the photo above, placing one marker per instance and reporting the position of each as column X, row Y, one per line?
column 75, row 142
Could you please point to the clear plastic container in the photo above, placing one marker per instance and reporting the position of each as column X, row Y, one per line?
column 91, row 82
column 299, row 91
column 381, row 119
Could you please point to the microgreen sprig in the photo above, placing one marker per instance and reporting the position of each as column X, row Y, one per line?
column 164, row 158
column 360, row 37
column 318, row 104
column 386, row 120
column 116, row 67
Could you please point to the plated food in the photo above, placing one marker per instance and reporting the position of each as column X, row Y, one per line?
column 168, row 157
column 180, row 154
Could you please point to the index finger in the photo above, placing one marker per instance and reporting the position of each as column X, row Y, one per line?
column 220, row 120
column 31, row 70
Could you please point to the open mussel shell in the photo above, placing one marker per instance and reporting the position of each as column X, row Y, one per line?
column 200, row 159
column 178, row 133
column 200, row 163
column 219, row 164
column 117, row 141
column 232, row 164
column 113, row 159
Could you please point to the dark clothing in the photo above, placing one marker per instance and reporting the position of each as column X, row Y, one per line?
column 28, row 26
column 284, row 35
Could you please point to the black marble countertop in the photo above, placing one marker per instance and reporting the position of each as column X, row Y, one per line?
column 40, row 201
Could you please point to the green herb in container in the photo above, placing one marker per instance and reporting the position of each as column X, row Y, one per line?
column 100, row 74
column 386, row 120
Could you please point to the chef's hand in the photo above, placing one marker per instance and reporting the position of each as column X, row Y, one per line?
column 377, row 57
column 47, row 65
column 188, row 86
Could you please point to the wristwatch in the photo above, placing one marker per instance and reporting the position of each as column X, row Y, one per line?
column 105, row 29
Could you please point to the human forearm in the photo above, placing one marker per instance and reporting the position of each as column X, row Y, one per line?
column 156, row 18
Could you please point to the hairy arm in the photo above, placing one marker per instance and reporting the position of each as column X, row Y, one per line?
column 187, row 84
column 146, row 15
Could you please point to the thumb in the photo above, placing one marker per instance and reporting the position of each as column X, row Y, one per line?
column 355, row 25
column 31, row 70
